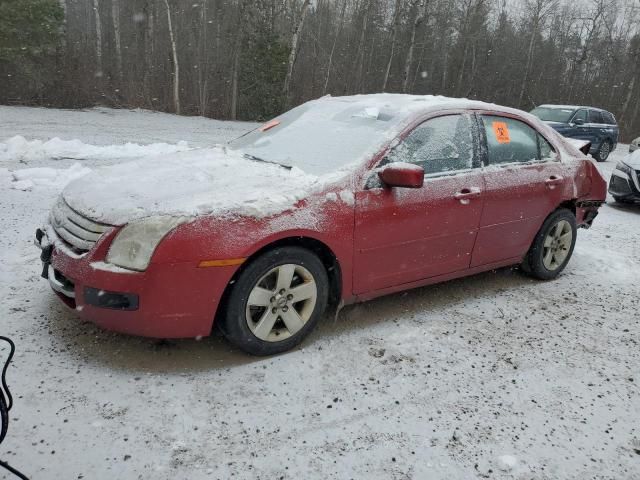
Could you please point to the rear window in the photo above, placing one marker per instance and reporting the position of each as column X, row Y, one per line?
column 595, row 116
column 609, row 118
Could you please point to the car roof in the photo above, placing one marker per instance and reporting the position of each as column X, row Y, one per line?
column 572, row 107
column 403, row 104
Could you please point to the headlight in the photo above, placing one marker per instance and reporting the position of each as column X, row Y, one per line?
column 623, row 167
column 134, row 245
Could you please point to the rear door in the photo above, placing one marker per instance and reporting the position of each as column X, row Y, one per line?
column 597, row 127
column 404, row 235
column 523, row 185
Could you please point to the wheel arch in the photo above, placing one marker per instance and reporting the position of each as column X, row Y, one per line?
column 326, row 255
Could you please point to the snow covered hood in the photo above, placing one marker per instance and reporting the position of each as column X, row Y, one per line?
column 633, row 160
column 199, row 182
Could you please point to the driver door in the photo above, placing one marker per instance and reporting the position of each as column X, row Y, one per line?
column 405, row 235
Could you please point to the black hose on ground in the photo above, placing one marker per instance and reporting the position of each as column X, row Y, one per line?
column 6, row 402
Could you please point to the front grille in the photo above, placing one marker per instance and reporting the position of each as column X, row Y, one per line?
column 79, row 233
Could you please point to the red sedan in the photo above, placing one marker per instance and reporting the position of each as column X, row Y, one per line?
column 339, row 200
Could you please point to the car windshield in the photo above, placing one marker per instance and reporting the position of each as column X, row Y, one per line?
column 550, row 114
column 321, row 136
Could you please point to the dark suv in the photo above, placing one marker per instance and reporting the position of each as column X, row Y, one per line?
column 584, row 123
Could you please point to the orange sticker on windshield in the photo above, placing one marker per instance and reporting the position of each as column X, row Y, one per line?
column 501, row 131
column 269, row 125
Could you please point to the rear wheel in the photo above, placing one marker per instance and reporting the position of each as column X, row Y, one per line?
column 276, row 301
column 553, row 246
column 603, row 152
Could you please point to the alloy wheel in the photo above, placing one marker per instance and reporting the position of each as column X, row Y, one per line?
column 605, row 149
column 557, row 245
column 281, row 302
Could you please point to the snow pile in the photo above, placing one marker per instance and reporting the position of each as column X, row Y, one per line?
column 26, row 178
column 199, row 182
column 20, row 149
column 506, row 463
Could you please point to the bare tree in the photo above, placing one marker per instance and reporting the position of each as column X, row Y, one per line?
column 115, row 15
column 96, row 12
column 395, row 26
column 333, row 47
column 421, row 6
column 294, row 51
column 176, row 63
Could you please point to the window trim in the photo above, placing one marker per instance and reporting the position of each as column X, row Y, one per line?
column 575, row 114
column 485, row 144
column 475, row 141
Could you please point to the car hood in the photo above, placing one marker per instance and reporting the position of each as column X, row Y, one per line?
column 633, row 160
column 199, row 182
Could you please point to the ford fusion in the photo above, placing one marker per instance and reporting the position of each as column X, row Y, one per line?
column 339, row 200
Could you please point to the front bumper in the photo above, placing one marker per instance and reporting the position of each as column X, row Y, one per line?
column 625, row 185
column 169, row 300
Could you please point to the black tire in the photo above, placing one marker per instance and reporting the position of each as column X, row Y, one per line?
column 624, row 201
column 603, row 151
column 234, row 321
column 533, row 263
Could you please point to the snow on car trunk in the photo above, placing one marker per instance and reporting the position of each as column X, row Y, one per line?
column 200, row 182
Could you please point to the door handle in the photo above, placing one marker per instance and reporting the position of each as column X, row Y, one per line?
column 553, row 180
column 466, row 194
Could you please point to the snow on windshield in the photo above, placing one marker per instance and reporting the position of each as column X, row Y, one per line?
column 323, row 136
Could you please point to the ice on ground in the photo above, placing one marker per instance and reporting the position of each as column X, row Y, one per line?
column 21, row 149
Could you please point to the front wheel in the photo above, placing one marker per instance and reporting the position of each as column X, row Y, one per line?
column 553, row 246
column 603, row 152
column 276, row 301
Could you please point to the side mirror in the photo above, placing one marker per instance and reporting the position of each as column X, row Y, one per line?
column 578, row 121
column 402, row 175
column 586, row 148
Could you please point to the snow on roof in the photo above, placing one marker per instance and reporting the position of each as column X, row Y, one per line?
column 570, row 107
column 404, row 103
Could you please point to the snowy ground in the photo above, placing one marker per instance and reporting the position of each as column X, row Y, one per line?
column 493, row 376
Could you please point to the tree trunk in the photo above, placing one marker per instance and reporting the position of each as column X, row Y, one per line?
column 176, row 64
column 233, row 114
column 412, row 43
column 115, row 14
column 627, row 100
column 333, row 48
column 394, row 33
column 96, row 12
column 293, row 54
column 529, row 61
column 203, row 67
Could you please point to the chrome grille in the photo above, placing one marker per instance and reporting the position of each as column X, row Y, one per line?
column 77, row 232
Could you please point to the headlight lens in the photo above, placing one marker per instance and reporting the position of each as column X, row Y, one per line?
column 623, row 167
column 134, row 245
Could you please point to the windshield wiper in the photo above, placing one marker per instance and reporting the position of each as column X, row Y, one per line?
column 258, row 159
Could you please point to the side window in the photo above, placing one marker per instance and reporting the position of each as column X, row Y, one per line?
column 580, row 115
column 595, row 116
column 546, row 150
column 512, row 141
column 442, row 144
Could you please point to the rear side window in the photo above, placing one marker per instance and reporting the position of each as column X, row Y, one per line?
column 513, row 141
column 440, row 145
column 609, row 118
column 595, row 116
